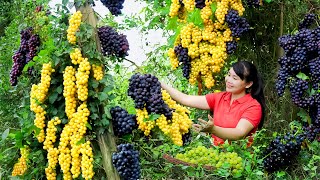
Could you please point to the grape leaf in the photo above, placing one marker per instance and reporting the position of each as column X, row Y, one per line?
column 302, row 76
column 5, row 134
column 53, row 97
column 153, row 116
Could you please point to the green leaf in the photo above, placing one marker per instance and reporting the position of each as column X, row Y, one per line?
column 108, row 88
column 94, row 116
column 53, row 97
column 131, row 110
column 59, row 89
column 302, row 76
column 268, row 1
column 102, row 96
column 26, row 67
column 19, row 138
column 81, row 141
column 65, row 2
column 105, row 122
column 173, row 38
column 94, row 84
column 153, row 116
column 214, row 7
column 88, row 126
column 303, row 115
column 5, row 134
column 172, row 24
column 259, row 173
column 107, row 112
column 54, row 111
column 195, row 17
column 281, row 173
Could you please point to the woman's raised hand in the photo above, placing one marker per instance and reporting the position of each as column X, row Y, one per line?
column 204, row 126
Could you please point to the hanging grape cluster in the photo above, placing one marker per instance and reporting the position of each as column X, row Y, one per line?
column 149, row 99
column 114, row 6
column 29, row 44
column 123, row 123
column 38, row 97
column 74, row 24
column 145, row 90
column 238, row 25
column 126, row 161
column 282, row 151
column 20, row 167
column 302, row 56
column 113, row 43
column 202, row 52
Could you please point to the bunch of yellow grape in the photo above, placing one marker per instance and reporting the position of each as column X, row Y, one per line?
column 51, row 133
column 70, row 153
column 87, row 161
column 21, row 166
column 145, row 126
column 211, row 157
column 174, row 128
column 97, row 72
column 72, row 133
column 53, row 152
column 52, row 157
column 180, row 122
column 38, row 95
column 69, row 91
column 76, row 56
column 82, row 77
column 74, row 23
column 206, row 48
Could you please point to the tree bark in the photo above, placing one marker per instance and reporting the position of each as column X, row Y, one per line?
column 106, row 141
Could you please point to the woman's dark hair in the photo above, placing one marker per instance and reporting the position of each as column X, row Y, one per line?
column 248, row 72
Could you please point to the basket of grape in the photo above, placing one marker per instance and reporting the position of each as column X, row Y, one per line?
column 208, row 158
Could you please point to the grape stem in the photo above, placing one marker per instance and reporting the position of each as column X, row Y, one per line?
column 132, row 62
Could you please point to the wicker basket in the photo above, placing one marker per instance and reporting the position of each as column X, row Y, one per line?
column 178, row 161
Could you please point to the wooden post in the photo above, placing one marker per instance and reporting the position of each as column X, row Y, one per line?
column 106, row 141
column 199, row 85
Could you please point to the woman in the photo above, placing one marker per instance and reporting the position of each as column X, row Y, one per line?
column 238, row 112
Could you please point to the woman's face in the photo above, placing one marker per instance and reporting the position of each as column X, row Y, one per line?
column 235, row 84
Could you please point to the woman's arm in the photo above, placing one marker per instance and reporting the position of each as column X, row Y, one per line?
column 199, row 102
column 243, row 129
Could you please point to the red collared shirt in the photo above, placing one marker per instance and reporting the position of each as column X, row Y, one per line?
column 228, row 116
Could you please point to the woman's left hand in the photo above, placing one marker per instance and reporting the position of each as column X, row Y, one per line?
column 204, row 126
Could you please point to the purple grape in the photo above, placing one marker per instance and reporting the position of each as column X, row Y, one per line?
column 112, row 43
column 114, row 6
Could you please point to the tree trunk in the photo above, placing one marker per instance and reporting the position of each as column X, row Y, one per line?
column 106, row 141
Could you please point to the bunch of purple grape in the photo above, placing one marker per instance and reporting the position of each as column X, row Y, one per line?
column 112, row 43
column 302, row 55
column 238, row 25
column 282, row 151
column 200, row 4
column 114, row 6
column 126, row 161
column 123, row 123
column 302, row 52
column 231, row 47
column 145, row 90
column 183, row 57
column 29, row 44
